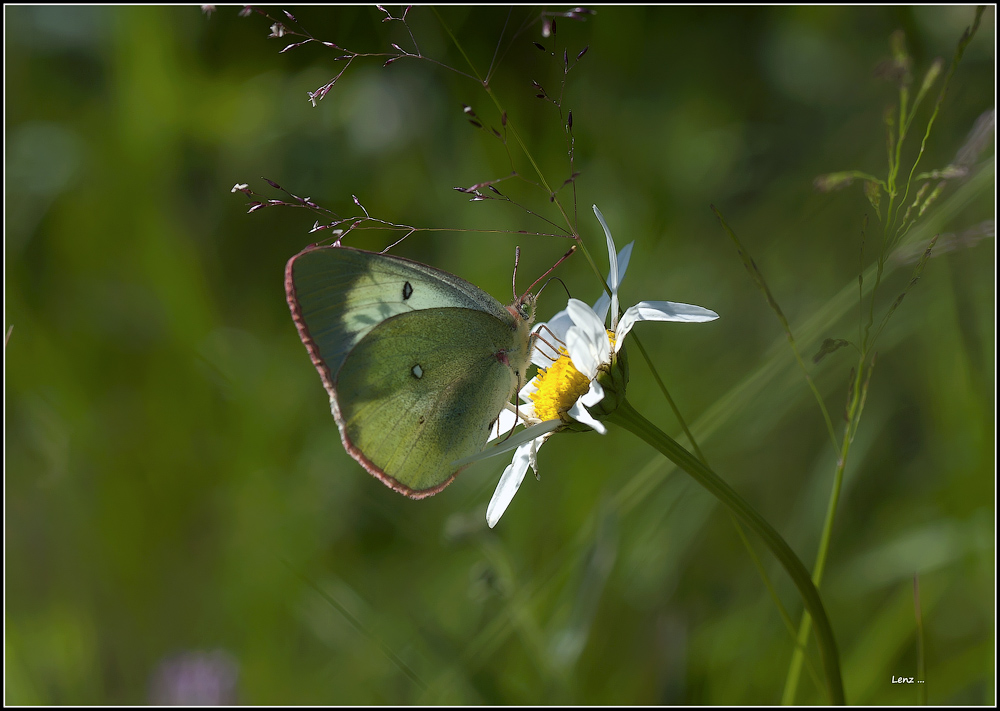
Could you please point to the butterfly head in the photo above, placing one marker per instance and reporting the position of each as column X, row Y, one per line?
column 524, row 308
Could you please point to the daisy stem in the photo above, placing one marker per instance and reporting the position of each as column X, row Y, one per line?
column 628, row 417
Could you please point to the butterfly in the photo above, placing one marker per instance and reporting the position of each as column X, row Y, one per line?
column 418, row 363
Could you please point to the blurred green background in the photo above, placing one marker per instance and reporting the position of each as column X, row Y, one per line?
column 181, row 521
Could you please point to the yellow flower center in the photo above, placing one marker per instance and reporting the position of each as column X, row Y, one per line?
column 560, row 386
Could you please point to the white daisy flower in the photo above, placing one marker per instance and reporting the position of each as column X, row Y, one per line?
column 572, row 349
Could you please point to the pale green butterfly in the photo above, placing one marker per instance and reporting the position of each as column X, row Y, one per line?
column 418, row 363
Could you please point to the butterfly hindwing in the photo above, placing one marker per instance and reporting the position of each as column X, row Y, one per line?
column 436, row 394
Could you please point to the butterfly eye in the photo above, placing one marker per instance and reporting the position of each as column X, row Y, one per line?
column 526, row 309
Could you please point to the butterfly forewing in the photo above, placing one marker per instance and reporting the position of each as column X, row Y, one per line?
column 338, row 294
column 418, row 362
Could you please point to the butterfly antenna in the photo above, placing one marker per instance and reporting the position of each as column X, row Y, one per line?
column 551, row 279
column 517, row 258
column 550, row 270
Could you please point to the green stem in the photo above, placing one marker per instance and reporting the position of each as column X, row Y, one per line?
column 670, row 400
column 701, row 457
column 627, row 417
column 855, row 406
column 798, row 656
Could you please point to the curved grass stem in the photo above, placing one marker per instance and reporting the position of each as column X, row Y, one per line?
column 628, row 417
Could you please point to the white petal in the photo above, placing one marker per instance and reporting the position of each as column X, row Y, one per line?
column 511, row 416
column 512, row 442
column 510, row 480
column 612, row 250
column 545, row 352
column 584, row 317
column 525, row 412
column 551, row 334
column 542, row 355
column 587, row 342
column 660, row 311
column 591, row 397
column 504, row 424
column 536, row 444
column 585, row 352
column 559, row 324
column 614, row 277
column 602, row 304
column 623, row 259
